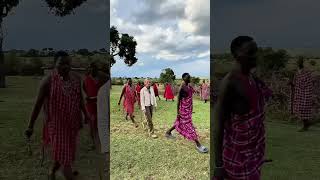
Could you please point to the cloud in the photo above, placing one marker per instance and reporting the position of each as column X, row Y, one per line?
column 197, row 17
column 155, row 11
column 168, row 33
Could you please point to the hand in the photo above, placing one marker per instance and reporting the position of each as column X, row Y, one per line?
column 219, row 173
column 28, row 132
column 144, row 110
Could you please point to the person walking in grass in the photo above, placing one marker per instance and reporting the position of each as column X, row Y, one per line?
column 183, row 123
column 130, row 98
column 138, row 89
column 156, row 91
column 60, row 95
column 302, row 95
column 168, row 93
column 238, row 121
column 148, row 103
column 204, row 90
column 92, row 82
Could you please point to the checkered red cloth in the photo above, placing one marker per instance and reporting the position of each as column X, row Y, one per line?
column 244, row 136
column 129, row 99
column 302, row 97
column 63, row 117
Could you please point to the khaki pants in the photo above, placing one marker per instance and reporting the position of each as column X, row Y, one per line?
column 148, row 115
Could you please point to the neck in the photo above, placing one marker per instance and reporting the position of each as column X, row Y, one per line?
column 242, row 69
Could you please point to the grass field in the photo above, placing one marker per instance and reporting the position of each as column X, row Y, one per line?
column 136, row 156
column 16, row 103
column 296, row 156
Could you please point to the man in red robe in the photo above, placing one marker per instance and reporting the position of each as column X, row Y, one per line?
column 302, row 95
column 138, row 89
column 168, row 94
column 155, row 89
column 239, row 133
column 129, row 94
column 60, row 94
column 92, row 82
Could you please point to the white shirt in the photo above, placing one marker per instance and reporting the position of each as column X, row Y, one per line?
column 147, row 99
column 103, row 116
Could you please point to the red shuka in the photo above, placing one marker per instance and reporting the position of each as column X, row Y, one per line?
column 168, row 92
column 63, row 118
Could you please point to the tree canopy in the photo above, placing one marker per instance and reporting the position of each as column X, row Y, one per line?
column 122, row 45
column 63, row 7
column 167, row 75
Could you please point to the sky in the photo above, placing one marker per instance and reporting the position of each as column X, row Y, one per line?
column 30, row 25
column 170, row 34
column 273, row 23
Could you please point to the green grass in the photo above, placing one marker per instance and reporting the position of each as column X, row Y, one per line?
column 16, row 103
column 136, row 156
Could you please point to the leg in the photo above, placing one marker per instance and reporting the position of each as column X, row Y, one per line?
column 170, row 130
column 132, row 119
column 53, row 170
column 149, row 119
column 67, row 172
column 197, row 143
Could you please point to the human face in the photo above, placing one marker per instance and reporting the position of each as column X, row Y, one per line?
column 247, row 55
column 187, row 78
column 63, row 65
column 130, row 82
column 147, row 83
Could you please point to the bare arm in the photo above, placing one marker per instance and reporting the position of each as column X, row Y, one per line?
column 42, row 94
column 221, row 115
column 122, row 93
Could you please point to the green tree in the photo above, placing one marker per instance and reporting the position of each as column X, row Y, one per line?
column 63, row 7
column 122, row 45
column 167, row 75
column 195, row 80
column 6, row 7
column 270, row 60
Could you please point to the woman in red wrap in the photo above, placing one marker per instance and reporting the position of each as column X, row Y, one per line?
column 168, row 94
column 155, row 89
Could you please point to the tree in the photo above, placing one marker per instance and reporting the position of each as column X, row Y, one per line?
column 270, row 60
column 63, row 7
column 32, row 53
column 84, row 52
column 195, row 80
column 167, row 75
column 6, row 7
column 123, row 46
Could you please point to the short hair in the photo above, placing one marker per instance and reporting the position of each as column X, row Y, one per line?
column 237, row 43
column 184, row 75
column 146, row 80
column 59, row 55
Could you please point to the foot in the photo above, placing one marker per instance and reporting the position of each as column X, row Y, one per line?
column 169, row 136
column 136, row 125
column 153, row 135
column 202, row 149
column 51, row 176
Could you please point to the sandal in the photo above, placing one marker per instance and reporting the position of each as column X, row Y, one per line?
column 170, row 136
column 202, row 149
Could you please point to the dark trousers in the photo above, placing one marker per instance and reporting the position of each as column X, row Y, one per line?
column 148, row 114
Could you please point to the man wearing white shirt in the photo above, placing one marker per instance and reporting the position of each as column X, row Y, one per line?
column 148, row 102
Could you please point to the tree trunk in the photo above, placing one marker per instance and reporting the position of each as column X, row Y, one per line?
column 2, row 68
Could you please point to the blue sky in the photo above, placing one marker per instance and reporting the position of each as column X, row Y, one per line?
column 30, row 25
column 170, row 34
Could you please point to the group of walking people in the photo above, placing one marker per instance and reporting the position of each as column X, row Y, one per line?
column 66, row 98
column 146, row 97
